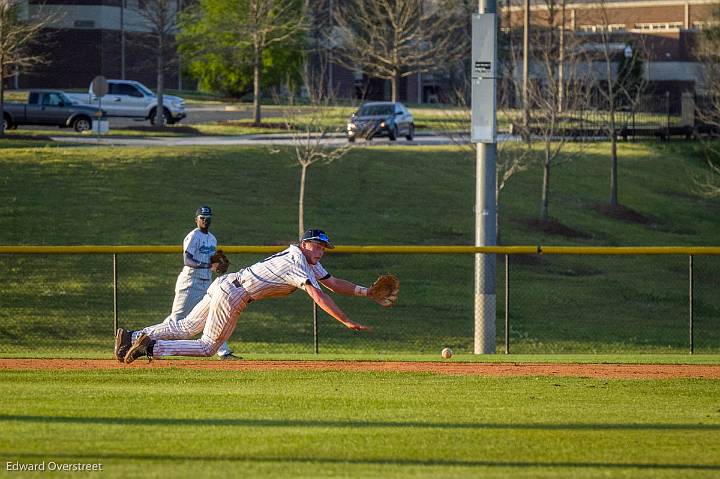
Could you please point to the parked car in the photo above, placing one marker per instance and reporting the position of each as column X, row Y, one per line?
column 132, row 99
column 381, row 118
column 50, row 107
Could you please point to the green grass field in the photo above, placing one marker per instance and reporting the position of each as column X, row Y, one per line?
column 182, row 423
column 407, row 195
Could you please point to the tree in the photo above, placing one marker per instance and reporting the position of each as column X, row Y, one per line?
column 242, row 31
column 160, row 17
column 17, row 36
column 392, row 39
column 708, row 110
column 556, row 94
column 310, row 131
column 615, row 89
column 510, row 159
column 554, row 88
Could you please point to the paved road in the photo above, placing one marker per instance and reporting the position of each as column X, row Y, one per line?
column 216, row 113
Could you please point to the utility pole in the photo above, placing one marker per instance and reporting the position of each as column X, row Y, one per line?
column 122, row 39
column 484, row 112
column 561, row 63
column 179, row 55
column 526, row 68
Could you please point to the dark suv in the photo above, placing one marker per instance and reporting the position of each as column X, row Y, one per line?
column 381, row 118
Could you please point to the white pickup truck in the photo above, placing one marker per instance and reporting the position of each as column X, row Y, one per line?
column 131, row 99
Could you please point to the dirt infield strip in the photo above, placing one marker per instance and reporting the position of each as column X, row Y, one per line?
column 617, row 371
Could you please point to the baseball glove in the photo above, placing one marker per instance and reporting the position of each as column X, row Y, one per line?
column 384, row 290
column 219, row 262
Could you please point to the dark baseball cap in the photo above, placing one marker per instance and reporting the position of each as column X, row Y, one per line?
column 318, row 236
column 203, row 211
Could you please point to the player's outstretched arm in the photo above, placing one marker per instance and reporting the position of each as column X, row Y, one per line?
column 329, row 306
column 343, row 287
column 384, row 290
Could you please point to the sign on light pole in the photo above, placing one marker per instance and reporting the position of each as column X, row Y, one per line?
column 483, row 133
column 99, row 88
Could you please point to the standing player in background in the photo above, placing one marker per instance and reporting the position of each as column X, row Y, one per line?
column 196, row 276
column 297, row 267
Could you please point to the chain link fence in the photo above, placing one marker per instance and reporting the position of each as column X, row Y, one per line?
column 63, row 304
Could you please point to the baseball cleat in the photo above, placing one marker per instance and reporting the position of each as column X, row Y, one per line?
column 139, row 348
column 123, row 341
column 229, row 357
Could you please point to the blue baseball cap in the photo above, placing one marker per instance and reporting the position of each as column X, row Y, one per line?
column 318, row 236
column 203, row 211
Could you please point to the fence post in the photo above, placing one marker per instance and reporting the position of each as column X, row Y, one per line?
column 507, row 303
column 690, row 301
column 315, row 327
column 115, row 293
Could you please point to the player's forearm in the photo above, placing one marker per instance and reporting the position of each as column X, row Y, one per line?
column 328, row 305
column 193, row 263
column 346, row 288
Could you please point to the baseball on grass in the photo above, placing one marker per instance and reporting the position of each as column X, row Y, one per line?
column 446, row 353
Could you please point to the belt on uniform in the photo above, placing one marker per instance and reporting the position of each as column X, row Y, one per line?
column 237, row 284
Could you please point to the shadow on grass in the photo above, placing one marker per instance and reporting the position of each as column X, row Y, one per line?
column 390, row 461
column 174, row 129
column 247, row 422
column 552, row 226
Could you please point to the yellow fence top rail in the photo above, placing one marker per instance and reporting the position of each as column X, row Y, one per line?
column 380, row 249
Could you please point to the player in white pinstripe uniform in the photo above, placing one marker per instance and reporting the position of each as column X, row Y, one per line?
column 297, row 267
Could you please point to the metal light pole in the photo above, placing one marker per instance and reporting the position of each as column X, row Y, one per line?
column 526, row 69
column 179, row 56
column 122, row 39
column 484, row 67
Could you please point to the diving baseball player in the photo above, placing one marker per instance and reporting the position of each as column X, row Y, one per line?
column 297, row 267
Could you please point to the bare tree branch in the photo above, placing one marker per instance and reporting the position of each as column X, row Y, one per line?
column 510, row 159
column 17, row 35
column 160, row 16
column 392, row 39
column 708, row 109
column 614, row 86
column 311, row 131
column 557, row 91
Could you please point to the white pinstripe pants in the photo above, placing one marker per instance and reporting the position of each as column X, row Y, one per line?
column 188, row 294
column 215, row 315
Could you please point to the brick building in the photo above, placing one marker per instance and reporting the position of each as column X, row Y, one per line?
column 88, row 38
column 92, row 37
column 668, row 30
column 102, row 37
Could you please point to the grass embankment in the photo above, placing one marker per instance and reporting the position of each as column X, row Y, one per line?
column 406, row 195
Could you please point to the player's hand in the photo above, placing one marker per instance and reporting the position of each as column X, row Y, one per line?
column 357, row 327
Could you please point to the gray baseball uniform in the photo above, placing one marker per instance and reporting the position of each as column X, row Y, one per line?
column 217, row 313
column 193, row 283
